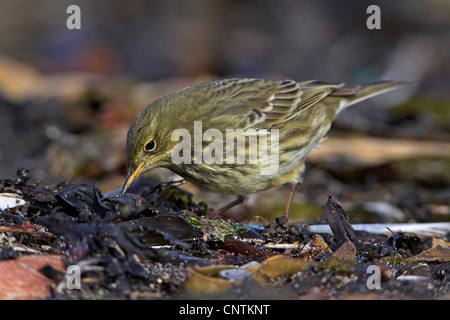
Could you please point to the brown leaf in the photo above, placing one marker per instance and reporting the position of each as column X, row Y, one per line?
column 202, row 281
column 438, row 241
column 21, row 280
column 314, row 248
column 436, row 253
column 279, row 266
column 347, row 251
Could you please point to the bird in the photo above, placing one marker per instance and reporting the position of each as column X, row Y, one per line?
column 183, row 131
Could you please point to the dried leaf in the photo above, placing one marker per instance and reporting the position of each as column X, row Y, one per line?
column 204, row 281
column 279, row 266
column 436, row 253
column 441, row 242
column 347, row 251
column 314, row 248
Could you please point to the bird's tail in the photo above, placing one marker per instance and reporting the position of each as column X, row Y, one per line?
column 352, row 95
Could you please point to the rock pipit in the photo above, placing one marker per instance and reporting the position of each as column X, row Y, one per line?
column 240, row 136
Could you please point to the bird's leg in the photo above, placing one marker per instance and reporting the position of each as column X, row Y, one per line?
column 285, row 216
column 213, row 215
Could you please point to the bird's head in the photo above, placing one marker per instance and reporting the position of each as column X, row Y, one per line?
column 148, row 144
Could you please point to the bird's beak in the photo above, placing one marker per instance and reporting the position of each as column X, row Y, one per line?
column 131, row 176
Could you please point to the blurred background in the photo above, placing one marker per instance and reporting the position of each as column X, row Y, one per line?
column 68, row 97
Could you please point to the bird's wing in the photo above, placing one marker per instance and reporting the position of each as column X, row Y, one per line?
column 260, row 104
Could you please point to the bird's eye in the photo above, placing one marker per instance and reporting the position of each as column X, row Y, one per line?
column 150, row 146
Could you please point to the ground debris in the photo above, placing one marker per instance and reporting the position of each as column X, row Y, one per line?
column 154, row 244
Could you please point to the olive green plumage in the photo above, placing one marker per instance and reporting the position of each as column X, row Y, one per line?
column 302, row 112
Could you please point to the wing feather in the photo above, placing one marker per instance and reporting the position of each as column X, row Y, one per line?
column 260, row 104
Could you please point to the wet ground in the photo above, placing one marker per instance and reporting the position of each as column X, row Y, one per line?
column 154, row 243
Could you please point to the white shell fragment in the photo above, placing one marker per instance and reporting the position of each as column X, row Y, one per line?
column 10, row 200
column 234, row 274
column 432, row 229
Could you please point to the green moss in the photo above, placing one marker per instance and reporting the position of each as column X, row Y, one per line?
column 222, row 229
column 337, row 265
